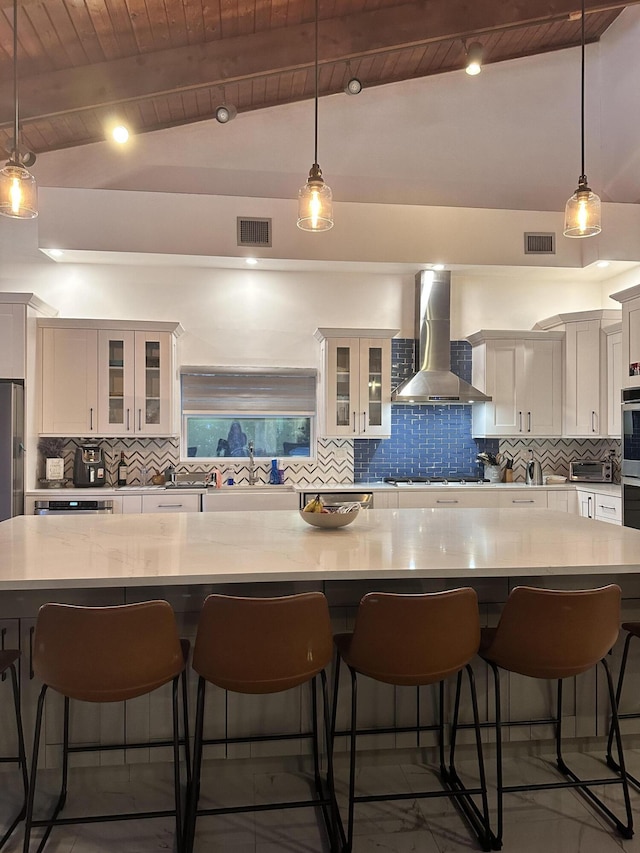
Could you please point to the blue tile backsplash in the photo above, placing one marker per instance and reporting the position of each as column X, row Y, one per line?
column 425, row 439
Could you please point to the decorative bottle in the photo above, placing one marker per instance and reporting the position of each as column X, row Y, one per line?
column 122, row 470
column 274, row 474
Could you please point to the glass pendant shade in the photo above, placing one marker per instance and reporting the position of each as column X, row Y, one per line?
column 582, row 212
column 315, row 203
column 18, row 192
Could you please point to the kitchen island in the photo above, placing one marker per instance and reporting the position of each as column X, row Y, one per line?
column 237, row 547
column 98, row 560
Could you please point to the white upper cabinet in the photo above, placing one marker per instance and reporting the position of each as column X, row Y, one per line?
column 134, row 382
column 355, row 382
column 614, row 379
column 522, row 372
column 106, row 378
column 585, row 386
column 17, row 331
column 69, row 381
column 630, row 355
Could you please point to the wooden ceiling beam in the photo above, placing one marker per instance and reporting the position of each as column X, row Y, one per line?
column 263, row 54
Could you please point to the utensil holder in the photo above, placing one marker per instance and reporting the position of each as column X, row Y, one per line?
column 493, row 473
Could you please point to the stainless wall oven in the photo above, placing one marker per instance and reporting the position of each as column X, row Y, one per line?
column 631, row 457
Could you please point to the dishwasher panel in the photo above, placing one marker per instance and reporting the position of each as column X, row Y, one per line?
column 73, row 507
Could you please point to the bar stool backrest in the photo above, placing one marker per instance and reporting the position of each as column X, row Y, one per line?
column 415, row 639
column 263, row 645
column 548, row 633
column 107, row 654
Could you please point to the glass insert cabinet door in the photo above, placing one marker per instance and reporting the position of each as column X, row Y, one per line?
column 357, row 387
column 134, row 382
column 116, row 382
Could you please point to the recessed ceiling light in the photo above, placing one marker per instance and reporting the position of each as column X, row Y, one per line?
column 120, row 134
column 251, row 261
column 438, row 267
column 603, row 264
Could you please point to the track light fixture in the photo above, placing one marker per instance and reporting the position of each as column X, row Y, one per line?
column 582, row 211
column 315, row 201
column 474, row 58
column 353, row 87
column 18, row 190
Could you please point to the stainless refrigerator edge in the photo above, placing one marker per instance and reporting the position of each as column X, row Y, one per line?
column 11, row 449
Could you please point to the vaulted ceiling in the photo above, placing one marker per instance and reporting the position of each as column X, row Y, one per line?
column 87, row 64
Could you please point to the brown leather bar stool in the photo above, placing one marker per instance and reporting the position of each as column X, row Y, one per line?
column 557, row 634
column 417, row 640
column 8, row 658
column 105, row 654
column 633, row 630
column 260, row 646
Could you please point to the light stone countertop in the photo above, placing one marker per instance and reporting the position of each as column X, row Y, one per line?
column 54, row 552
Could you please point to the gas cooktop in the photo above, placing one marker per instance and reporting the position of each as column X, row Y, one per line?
column 433, row 481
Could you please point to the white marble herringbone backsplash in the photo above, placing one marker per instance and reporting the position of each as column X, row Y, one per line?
column 334, row 462
column 554, row 454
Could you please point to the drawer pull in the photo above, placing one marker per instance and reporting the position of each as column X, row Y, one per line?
column 443, row 501
column 522, row 501
column 169, row 506
column 604, row 506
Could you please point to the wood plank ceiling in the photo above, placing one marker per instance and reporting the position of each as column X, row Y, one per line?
column 87, row 64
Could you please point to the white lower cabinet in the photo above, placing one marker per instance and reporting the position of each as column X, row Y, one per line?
column 601, row 507
column 454, row 498
column 223, row 501
column 171, row 502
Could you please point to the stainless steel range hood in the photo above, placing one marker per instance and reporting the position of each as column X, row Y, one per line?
column 434, row 382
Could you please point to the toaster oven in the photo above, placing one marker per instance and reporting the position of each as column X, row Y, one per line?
column 590, row 471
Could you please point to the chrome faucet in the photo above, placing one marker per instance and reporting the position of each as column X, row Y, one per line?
column 253, row 477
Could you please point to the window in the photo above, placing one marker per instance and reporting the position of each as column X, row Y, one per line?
column 224, row 409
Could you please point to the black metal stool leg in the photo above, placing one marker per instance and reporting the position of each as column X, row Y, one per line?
column 336, row 832
column 185, row 723
column 497, row 837
column 194, row 787
column 623, row 666
column 352, row 759
column 34, row 770
column 22, row 758
column 176, row 764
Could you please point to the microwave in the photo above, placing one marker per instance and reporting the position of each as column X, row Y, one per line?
column 590, row 471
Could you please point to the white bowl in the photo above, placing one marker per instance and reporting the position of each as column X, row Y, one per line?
column 554, row 480
column 329, row 520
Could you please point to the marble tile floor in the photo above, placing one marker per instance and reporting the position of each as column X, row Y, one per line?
column 553, row 822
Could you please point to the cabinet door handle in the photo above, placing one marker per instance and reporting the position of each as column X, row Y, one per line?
column 354, row 422
column 364, row 422
column 3, row 634
column 128, row 421
column 32, row 631
column 139, row 420
column 529, row 421
column 520, row 420
column 589, row 501
column 448, row 501
column 91, row 418
column 522, row 501
column 593, row 421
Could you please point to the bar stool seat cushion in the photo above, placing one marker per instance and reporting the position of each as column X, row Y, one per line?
column 553, row 634
column 107, row 654
column 407, row 640
column 246, row 645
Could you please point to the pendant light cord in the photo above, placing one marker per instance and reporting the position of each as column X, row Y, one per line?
column 315, row 149
column 582, row 91
column 15, row 81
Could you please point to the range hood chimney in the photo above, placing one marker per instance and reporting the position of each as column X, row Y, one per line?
column 434, row 382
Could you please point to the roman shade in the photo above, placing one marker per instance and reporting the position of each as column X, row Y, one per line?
column 251, row 390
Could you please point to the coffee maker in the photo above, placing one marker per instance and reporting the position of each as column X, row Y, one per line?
column 88, row 466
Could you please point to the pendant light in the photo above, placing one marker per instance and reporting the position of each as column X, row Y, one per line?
column 582, row 212
column 18, row 191
column 315, row 207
